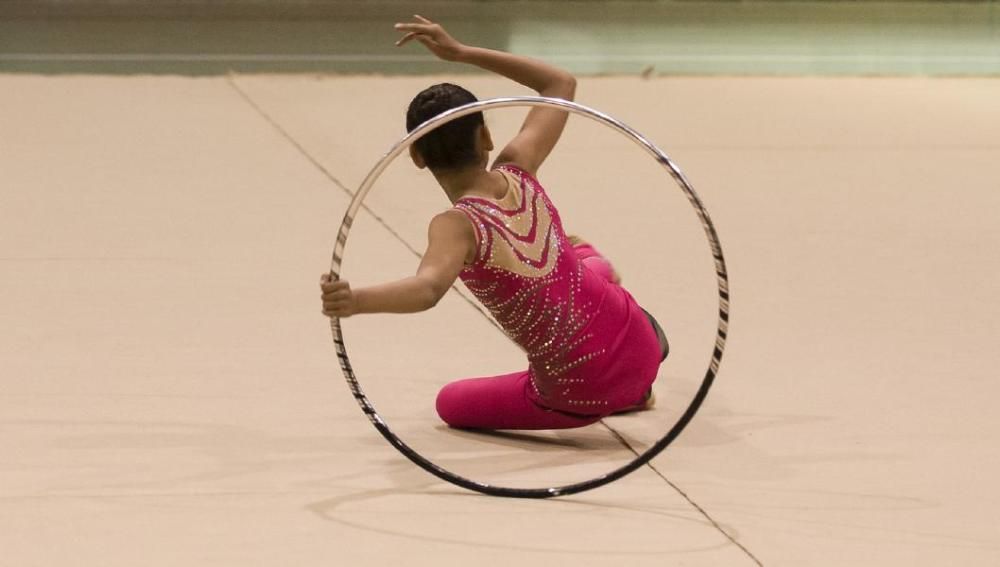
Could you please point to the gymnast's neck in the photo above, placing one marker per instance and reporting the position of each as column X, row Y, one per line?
column 473, row 181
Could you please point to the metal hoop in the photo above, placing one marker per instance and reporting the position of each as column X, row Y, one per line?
column 713, row 240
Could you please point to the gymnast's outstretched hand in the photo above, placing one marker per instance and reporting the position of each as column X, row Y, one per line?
column 338, row 299
column 432, row 36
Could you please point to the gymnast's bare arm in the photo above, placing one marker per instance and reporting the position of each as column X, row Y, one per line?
column 543, row 125
column 451, row 242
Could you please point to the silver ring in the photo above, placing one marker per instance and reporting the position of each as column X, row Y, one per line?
column 710, row 232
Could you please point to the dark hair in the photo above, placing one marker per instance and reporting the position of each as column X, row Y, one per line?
column 453, row 145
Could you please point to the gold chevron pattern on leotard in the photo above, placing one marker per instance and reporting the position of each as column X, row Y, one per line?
column 516, row 232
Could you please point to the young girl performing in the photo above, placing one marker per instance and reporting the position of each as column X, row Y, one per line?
column 592, row 351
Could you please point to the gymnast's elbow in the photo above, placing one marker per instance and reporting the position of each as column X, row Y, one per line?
column 429, row 295
column 570, row 88
column 563, row 86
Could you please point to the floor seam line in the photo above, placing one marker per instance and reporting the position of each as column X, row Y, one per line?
column 684, row 495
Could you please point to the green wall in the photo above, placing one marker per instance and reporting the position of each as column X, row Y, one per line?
column 588, row 37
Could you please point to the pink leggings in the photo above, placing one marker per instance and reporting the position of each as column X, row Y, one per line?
column 500, row 402
column 504, row 402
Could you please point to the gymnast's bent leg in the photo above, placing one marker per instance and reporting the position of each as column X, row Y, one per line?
column 500, row 402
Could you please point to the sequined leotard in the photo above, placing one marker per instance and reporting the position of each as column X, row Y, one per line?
column 591, row 351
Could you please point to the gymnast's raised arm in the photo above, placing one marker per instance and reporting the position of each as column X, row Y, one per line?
column 543, row 125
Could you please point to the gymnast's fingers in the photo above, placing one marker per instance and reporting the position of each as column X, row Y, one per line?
column 339, row 310
column 334, row 304
column 335, row 285
column 414, row 28
column 336, row 299
column 406, row 38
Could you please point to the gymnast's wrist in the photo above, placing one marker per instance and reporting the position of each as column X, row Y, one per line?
column 464, row 54
column 482, row 57
column 362, row 302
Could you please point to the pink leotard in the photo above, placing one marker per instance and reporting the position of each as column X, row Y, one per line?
column 591, row 350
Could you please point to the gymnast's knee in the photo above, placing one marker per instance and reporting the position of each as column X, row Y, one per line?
column 449, row 405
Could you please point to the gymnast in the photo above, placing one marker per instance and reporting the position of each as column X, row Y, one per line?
column 592, row 350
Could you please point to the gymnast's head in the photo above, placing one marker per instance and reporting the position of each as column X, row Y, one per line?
column 458, row 145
